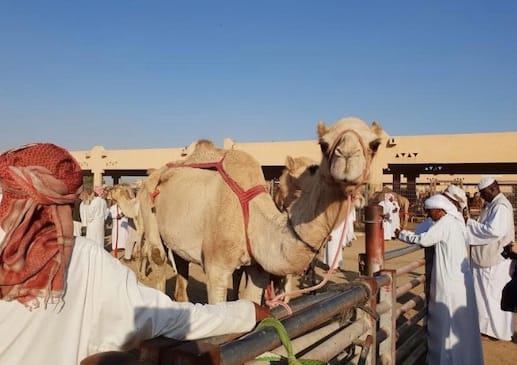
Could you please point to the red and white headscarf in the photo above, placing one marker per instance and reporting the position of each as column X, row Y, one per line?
column 40, row 183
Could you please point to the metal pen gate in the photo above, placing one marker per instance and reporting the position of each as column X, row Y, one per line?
column 372, row 320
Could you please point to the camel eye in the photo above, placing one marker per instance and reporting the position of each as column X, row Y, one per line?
column 313, row 169
column 324, row 146
column 374, row 145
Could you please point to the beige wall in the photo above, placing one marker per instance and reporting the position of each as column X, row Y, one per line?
column 446, row 148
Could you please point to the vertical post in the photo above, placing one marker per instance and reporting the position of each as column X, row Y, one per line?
column 388, row 320
column 374, row 240
column 396, row 182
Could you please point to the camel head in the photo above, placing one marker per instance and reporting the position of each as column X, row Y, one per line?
column 348, row 148
column 299, row 173
column 119, row 192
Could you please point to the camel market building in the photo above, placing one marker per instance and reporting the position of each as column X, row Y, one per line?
column 409, row 165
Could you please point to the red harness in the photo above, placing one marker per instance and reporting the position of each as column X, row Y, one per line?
column 244, row 195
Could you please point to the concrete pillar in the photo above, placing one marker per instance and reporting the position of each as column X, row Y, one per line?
column 396, row 182
column 97, row 176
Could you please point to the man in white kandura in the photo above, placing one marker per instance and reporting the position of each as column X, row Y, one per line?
column 452, row 326
column 493, row 230
column 119, row 228
column 333, row 250
column 387, row 212
column 97, row 215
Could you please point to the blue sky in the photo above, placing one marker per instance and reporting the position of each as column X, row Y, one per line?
column 155, row 74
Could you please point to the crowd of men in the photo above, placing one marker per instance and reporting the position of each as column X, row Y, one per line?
column 471, row 267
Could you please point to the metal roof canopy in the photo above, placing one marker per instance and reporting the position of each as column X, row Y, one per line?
column 451, row 168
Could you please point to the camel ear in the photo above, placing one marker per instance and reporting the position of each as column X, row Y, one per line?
column 376, row 128
column 322, row 128
column 289, row 163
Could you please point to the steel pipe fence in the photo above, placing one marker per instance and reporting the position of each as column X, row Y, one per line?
column 362, row 322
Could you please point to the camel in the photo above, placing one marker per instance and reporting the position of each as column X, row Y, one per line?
column 402, row 200
column 212, row 209
column 297, row 172
column 126, row 199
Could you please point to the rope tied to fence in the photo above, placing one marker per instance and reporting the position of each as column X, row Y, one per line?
column 278, row 300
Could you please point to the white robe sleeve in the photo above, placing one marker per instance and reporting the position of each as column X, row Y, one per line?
column 425, row 239
column 133, row 312
column 494, row 228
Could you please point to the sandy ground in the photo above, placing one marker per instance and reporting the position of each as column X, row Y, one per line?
column 495, row 352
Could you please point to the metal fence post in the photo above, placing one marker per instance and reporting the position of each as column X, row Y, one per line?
column 373, row 260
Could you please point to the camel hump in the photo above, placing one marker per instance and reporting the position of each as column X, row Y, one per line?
column 205, row 151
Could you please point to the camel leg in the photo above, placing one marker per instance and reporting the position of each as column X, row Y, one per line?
column 257, row 282
column 217, row 283
column 182, row 271
column 236, row 281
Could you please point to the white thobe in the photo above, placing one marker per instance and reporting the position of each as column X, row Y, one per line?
column 387, row 226
column 97, row 215
column 395, row 218
column 119, row 229
column 452, row 328
column 333, row 249
column 132, row 237
column 106, row 309
column 83, row 211
column 493, row 230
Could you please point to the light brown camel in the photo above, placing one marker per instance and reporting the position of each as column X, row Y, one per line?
column 297, row 171
column 124, row 195
column 299, row 174
column 401, row 199
column 202, row 217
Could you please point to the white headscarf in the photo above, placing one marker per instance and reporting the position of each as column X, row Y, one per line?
column 438, row 201
column 485, row 182
column 457, row 194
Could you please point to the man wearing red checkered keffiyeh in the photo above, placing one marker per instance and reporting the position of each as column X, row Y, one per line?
column 101, row 305
column 39, row 182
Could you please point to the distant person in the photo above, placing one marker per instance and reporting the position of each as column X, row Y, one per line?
column 119, row 229
column 86, row 198
column 334, row 246
column 493, row 230
column 452, row 327
column 97, row 214
column 395, row 216
column 132, row 237
column 63, row 298
column 387, row 212
column 76, row 216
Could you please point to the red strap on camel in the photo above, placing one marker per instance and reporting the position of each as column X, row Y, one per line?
column 244, row 195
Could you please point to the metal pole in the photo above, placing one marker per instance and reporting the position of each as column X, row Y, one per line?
column 256, row 343
column 374, row 239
